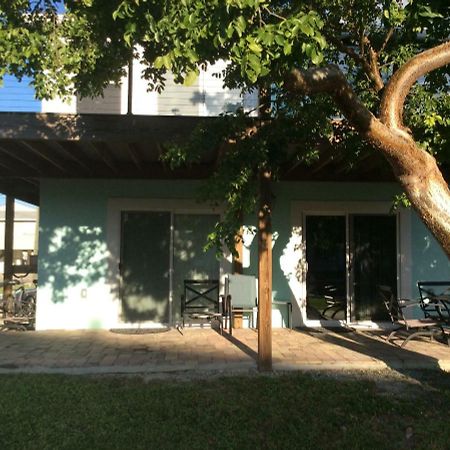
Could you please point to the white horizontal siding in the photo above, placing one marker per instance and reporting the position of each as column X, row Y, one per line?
column 110, row 103
column 177, row 99
column 205, row 97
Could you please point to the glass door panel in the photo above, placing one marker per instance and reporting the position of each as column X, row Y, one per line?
column 326, row 280
column 190, row 262
column 374, row 262
column 145, row 266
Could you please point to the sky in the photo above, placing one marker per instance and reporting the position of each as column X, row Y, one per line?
column 20, row 202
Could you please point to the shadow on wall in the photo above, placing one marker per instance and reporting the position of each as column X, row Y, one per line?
column 110, row 102
column 430, row 262
column 219, row 103
column 74, row 256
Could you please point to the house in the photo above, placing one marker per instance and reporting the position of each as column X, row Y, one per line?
column 26, row 227
column 119, row 231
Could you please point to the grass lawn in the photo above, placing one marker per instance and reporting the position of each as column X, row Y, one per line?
column 377, row 411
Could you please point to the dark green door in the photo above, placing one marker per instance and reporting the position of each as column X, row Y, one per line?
column 373, row 263
column 145, row 266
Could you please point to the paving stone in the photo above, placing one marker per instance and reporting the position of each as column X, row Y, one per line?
column 205, row 349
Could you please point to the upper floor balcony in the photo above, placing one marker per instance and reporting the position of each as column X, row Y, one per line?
column 206, row 97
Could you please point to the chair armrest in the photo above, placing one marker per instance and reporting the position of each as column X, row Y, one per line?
column 408, row 303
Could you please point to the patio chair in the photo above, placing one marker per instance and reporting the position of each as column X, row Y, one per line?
column 240, row 297
column 415, row 327
column 435, row 299
column 201, row 303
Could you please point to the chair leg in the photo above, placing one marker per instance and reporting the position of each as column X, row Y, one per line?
column 445, row 336
column 220, row 320
column 418, row 333
column 391, row 335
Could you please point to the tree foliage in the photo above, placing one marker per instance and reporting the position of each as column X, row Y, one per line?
column 263, row 41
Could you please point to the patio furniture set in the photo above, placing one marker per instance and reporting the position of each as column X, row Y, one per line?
column 202, row 303
column 433, row 306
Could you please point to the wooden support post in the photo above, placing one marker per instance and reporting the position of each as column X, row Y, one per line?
column 130, row 87
column 9, row 239
column 265, row 274
column 238, row 260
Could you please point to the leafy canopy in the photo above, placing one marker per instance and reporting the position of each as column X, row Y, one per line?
column 262, row 41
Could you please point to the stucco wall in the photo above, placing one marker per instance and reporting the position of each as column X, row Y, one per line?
column 75, row 287
column 430, row 262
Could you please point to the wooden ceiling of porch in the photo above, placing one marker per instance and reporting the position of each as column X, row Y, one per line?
column 35, row 146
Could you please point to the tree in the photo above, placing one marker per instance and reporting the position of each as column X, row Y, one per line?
column 364, row 55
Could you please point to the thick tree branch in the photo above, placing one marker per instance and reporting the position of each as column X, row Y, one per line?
column 391, row 112
column 331, row 80
column 416, row 170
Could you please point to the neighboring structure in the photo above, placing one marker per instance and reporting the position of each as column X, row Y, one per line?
column 119, row 232
column 25, row 233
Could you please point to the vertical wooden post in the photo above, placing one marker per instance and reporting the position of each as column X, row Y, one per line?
column 130, row 86
column 238, row 260
column 265, row 274
column 9, row 239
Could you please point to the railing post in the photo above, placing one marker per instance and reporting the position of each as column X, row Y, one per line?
column 9, row 240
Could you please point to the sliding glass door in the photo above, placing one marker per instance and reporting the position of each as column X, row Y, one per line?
column 159, row 250
column 326, row 284
column 347, row 257
column 373, row 262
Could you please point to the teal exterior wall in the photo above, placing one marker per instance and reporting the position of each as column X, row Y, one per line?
column 429, row 261
column 73, row 223
column 286, row 193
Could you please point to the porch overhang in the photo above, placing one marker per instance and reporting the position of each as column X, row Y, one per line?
column 36, row 146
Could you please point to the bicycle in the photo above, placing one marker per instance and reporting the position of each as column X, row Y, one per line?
column 22, row 303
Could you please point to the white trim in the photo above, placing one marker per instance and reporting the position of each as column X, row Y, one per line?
column 113, row 237
column 299, row 211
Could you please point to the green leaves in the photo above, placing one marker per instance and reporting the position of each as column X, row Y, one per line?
column 426, row 11
column 395, row 14
column 191, row 78
column 252, row 35
column 261, row 40
column 312, row 52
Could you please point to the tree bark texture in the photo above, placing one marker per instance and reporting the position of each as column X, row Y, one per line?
column 416, row 170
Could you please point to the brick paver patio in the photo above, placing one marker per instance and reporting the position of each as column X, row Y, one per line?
column 203, row 350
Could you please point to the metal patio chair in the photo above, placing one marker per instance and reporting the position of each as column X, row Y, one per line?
column 240, row 297
column 201, row 303
column 414, row 327
column 435, row 299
